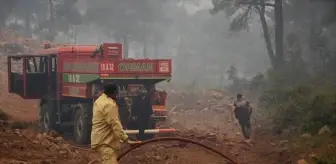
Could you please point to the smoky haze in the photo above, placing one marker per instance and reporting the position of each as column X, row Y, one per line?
column 200, row 44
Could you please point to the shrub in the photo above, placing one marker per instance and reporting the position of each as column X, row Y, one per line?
column 306, row 107
column 325, row 160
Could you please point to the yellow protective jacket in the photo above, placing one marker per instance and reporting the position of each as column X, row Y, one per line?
column 106, row 126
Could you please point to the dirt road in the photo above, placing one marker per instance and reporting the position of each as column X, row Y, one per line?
column 27, row 145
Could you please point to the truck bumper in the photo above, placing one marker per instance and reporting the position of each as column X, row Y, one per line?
column 151, row 131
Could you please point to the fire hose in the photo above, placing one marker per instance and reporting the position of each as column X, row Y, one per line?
column 172, row 139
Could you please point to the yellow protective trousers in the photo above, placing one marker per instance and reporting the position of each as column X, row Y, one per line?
column 107, row 154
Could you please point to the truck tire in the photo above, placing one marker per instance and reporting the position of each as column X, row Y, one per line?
column 82, row 126
column 48, row 117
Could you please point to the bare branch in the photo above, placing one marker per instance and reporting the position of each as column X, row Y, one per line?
column 241, row 21
column 221, row 4
column 255, row 3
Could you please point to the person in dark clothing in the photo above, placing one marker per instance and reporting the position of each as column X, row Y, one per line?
column 141, row 111
column 242, row 111
column 124, row 112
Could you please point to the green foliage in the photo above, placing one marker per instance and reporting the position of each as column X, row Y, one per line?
column 306, row 106
column 258, row 82
column 325, row 160
column 297, row 96
column 36, row 15
column 302, row 92
column 240, row 14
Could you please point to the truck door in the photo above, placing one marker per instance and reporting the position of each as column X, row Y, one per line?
column 15, row 75
column 35, row 76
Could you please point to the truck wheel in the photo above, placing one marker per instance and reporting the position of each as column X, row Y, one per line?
column 48, row 118
column 82, row 127
column 151, row 125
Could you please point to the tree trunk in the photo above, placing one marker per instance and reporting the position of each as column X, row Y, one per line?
column 145, row 53
column 279, row 33
column 267, row 37
column 156, row 51
column 126, row 45
column 52, row 32
column 27, row 25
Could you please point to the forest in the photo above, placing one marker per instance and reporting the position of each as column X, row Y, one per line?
column 285, row 59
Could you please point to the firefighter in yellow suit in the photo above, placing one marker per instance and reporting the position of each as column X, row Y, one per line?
column 107, row 131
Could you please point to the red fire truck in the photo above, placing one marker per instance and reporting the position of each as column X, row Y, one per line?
column 66, row 78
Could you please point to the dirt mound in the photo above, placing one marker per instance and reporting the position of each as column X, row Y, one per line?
column 28, row 147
